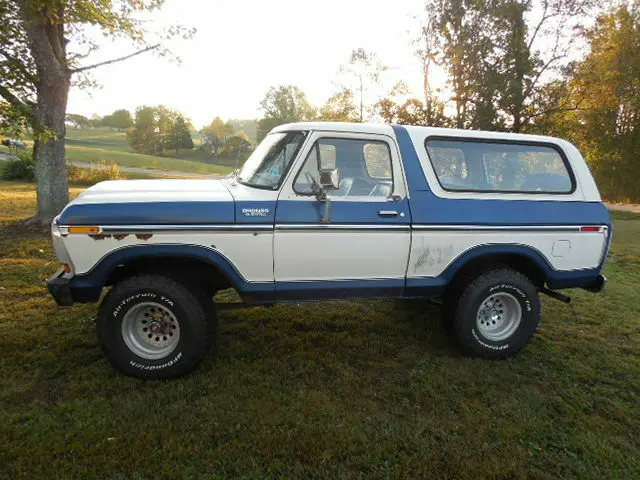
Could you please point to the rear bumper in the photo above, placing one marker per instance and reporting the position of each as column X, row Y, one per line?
column 59, row 289
column 597, row 285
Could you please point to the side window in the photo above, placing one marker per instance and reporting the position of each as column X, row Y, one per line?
column 377, row 158
column 364, row 167
column 499, row 167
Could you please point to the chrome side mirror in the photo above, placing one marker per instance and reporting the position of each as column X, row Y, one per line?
column 329, row 179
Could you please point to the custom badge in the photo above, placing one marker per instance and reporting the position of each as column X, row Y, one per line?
column 255, row 212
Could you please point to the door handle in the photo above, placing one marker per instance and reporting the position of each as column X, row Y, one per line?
column 387, row 213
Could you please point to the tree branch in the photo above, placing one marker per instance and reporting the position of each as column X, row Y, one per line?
column 18, row 65
column 540, row 23
column 11, row 98
column 115, row 60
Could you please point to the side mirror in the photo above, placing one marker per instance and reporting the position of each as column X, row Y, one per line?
column 329, row 179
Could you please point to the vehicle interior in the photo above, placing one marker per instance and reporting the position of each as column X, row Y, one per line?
column 364, row 167
column 476, row 166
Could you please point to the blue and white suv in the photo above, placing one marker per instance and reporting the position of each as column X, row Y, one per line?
column 485, row 220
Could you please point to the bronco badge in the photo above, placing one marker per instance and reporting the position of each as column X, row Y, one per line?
column 255, row 212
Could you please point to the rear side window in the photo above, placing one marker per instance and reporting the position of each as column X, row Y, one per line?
column 377, row 159
column 464, row 165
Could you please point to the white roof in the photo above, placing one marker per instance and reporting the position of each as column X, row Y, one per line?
column 414, row 130
column 379, row 128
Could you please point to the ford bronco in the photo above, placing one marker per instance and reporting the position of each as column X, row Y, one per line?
column 487, row 221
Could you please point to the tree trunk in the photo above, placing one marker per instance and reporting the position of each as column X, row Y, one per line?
column 45, row 32
column 51, row 169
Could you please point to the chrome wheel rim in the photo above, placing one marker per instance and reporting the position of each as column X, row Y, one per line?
column 150, row 330
column 499, row 316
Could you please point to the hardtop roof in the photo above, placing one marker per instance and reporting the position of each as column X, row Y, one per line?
column 414, row 130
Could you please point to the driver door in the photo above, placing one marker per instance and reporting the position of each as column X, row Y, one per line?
column 357, row 244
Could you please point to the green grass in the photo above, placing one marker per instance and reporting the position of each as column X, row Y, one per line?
column 350, row 389
column 103, row 144
column 76, row 153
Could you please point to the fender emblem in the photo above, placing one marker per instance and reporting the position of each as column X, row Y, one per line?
column 255, row 212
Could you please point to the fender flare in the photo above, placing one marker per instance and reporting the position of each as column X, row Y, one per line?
column 556, row 279
column 95, row 279
column 493, row 249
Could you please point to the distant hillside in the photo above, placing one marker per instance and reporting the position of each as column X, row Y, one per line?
column 95, row 145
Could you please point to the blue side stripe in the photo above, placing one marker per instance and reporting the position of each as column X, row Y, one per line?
column 148, row 213
column 429, row 209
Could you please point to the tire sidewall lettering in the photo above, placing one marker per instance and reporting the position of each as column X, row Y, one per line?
column 120, row 310
column 509, row 288
column 527, row 308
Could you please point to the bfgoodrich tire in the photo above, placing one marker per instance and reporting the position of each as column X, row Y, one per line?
column 151, row 326
column 497, row 314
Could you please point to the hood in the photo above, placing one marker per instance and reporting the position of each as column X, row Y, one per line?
column 151, row 202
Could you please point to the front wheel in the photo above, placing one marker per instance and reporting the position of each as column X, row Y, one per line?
column 497, row 314
column 151, row 326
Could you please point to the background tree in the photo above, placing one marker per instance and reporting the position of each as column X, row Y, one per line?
column 599, row 105
column 248, row 126
column 215, row 135
column 95, row 121
column 283, row 104
column 179, row 135
column 398, row 107
column 78, row 121
column 159, row 128
column 339, row 108
column 143, row 135
column 36, row 70
column 363, row 71
column 120, row 120
column 499, row 54
column 218, row 129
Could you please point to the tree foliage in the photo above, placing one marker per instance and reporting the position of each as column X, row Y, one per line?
column 120, row 120
column 598, row 105
column 397, row 107
column 339, row 107
column 156, row 129
column 220, row 137
column 284, row 104
column 77, row 120
column 37, row 66
column 498, row 54
column 179, row 137
column 362, row 72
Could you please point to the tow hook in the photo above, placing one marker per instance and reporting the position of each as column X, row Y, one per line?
column 556, row 295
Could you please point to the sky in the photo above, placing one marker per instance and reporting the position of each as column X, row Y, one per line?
column 243, row 47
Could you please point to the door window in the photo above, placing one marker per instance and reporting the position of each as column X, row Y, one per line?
column 364, row 167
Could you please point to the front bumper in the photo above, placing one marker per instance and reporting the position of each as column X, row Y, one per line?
column 597, row 285
column 59, row 288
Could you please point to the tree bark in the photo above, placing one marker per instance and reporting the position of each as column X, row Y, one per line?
column 51, row 169
column 45, row 32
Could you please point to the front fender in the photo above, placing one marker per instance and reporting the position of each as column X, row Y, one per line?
column 88, row 287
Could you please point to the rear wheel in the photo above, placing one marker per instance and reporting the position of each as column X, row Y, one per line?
column 496, row 314
column 151, row 326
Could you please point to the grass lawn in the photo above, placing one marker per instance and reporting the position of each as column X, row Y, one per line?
column 350, row 389
column 103, row 144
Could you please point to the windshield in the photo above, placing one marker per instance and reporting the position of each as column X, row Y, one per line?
column 267, row 165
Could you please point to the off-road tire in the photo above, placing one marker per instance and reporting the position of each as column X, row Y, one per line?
column 495, row 284
column 193, row 313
